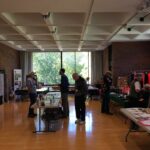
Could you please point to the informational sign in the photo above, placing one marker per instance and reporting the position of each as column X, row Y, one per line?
column 2, row 86
column 17, row 79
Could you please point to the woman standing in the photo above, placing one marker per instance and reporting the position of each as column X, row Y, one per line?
column 31, row 85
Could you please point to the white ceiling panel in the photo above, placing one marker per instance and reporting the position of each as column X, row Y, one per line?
column 95, row 37
column 109, row 18
column 69, row 37
column 7, row 30
column 13, row 37
column 72, row 24
column 46, row 42
column 100, row 29
column 69, row 30
column 115, row 5
column 41, row 37
column 44, row 5
column 33, row 30
column 25, row 18
column 68, row 18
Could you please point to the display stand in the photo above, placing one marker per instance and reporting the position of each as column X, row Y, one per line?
column 17, row 79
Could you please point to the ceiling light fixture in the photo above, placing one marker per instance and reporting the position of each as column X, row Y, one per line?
column 46, row 16
column 142, row 18
column 130, row 28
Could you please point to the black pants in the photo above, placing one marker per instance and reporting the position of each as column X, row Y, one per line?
column 105, row 102
column 33, row 97
column 80, row 107
column 65, row 104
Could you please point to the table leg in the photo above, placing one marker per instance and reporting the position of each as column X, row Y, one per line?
column 133, row 128
column 39, row 121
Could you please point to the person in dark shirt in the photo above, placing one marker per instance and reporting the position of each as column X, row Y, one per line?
column 64, row 86
column 107, row 81
column 144, row 96
column 81, row 90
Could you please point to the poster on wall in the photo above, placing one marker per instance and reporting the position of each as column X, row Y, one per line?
column 1, row 87
column 17, row 79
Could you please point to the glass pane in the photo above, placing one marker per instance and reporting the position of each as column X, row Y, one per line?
column 47, row 66
column 77, row 62
column 83, row 62
column 69, row 64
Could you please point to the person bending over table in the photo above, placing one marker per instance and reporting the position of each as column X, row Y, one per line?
column 81, row 91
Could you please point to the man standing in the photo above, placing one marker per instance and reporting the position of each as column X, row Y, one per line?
column 80, row 97
column 64, row 86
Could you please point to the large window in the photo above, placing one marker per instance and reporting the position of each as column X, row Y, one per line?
column 68, row 62
column 47, row 65
column 76, row 62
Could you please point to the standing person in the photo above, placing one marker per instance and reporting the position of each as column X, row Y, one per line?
column 31, row 85
column 64, row 86
column 134, row 94
column 107, row 83
column 80, row 98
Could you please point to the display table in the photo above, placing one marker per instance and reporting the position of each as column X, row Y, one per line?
column 23, row 93
column 48, row 113
column 43, row 90
column 93, row 92
column 139, row 118
column 120, row 99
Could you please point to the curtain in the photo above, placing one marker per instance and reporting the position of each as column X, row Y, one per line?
column 26, row 64
column 96, row 66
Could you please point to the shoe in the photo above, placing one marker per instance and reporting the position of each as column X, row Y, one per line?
column 82, row 122
column 77, row 121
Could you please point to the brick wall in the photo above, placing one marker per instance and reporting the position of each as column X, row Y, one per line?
column 129, row 56
column 9, row 60
column 105, row 60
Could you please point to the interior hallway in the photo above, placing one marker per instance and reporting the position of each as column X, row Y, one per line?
column 101, row 132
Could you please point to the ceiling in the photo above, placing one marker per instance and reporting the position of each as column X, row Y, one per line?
column 72, row 25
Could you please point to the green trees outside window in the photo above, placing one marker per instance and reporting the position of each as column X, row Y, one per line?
column 48, row 64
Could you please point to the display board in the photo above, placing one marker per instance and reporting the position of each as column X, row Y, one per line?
column 17, row 79
column 2, row 86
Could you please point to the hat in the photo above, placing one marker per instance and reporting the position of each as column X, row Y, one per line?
column 31, row 73
column 108, row 72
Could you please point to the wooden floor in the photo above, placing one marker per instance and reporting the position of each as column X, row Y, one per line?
column 101, row 132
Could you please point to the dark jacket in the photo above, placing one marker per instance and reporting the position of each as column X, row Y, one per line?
column 107, row 83
column 64, row 86
column 81, row 87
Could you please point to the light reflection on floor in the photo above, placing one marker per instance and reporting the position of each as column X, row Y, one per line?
column 72, row 127
column 69, row 123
